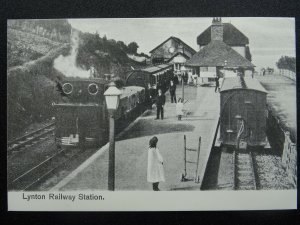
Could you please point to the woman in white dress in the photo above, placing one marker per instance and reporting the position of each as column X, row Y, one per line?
column 155, row 170
column 179, row 108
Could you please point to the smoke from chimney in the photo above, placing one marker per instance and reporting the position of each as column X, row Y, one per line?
column 67, row 65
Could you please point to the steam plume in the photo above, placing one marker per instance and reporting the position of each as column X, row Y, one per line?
column 67, row 65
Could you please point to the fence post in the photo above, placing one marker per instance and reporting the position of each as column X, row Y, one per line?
column 197, row 178
column 184, row 159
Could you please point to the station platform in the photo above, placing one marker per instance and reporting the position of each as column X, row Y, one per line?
column 132, row 144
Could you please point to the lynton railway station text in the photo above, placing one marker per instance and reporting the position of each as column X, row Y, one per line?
column 61, row 196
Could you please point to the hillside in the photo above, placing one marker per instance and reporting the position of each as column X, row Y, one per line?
column 31, row 90
column 106, row 56
column 27, row 40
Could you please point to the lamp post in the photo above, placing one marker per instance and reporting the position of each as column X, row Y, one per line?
column 112, row 98
column 183, row 70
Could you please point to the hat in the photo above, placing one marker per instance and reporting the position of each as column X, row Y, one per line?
column 153, row 141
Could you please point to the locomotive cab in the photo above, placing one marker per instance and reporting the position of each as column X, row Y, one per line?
column 81, row 112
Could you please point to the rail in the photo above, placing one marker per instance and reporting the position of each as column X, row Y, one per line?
column 30, row 138
column 29, row 179
column 244, row 174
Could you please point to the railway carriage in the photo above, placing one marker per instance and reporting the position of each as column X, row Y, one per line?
column 243, row 112
column 151, row 78
column 81, row 116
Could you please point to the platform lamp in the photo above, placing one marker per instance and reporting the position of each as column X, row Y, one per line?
column 112, row 98
column 224, row 66
column 183, row 70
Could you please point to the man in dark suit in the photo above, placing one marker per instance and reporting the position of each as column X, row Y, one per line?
column 217, row 84
column 172, row 89
column 160, row 102
column 175, row 78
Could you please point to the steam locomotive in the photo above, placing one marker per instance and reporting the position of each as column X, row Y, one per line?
column 81, row 115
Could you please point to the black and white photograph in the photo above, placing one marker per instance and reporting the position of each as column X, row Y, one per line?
column 151, row 108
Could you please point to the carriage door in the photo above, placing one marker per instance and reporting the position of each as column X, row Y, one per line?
column 250, row 118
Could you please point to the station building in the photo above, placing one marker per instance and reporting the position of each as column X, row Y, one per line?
column 224, row 52
column 172, row 51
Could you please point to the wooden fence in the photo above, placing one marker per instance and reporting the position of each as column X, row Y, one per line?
column 288, row 73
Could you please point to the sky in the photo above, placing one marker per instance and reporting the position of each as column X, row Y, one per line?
column 269, row 38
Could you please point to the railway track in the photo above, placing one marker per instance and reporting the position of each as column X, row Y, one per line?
column 31, row 138
column 39, row 173
column 244, row 174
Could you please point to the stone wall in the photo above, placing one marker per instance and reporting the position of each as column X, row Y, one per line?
column 281, row 140
column 289, row 158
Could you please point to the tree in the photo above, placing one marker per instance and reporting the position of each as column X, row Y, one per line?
column 122, row 46
column 132, row 47
column 104, row 38
column 286, row 62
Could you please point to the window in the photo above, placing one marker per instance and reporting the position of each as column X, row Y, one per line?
column 203, row 69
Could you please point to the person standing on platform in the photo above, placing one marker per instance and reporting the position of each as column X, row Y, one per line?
column 179, row 108
column 185, row 77
column 217, row 84
column 160, row 102
column 176, row 81
column 172, row 91
column 155, row 169
column 195, row 79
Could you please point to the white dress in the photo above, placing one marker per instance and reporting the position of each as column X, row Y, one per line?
column 155, row 169
column 179, row 109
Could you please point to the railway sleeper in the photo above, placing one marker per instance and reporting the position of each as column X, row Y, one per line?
column 226, row 186
column 244, row 166
column 246, row 187
column 245, row 179
column 245, row 172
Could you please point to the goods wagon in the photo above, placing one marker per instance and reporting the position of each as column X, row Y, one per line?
column 243, row 112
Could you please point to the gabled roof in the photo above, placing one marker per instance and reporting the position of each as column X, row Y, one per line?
column 231, row 36
column 215, row 54
column 178, row 41
column 178, row 53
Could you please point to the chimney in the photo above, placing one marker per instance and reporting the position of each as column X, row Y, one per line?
column 217, row 29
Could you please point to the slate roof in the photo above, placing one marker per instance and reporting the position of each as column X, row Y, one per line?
column 215, row 54
column 242, row 83
column 178, row 41
column 231, row 36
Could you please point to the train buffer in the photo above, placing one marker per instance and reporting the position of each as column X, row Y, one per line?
column 186, row 160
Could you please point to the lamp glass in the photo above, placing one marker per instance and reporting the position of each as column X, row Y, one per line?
column 112, row 101
column 112, row 97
